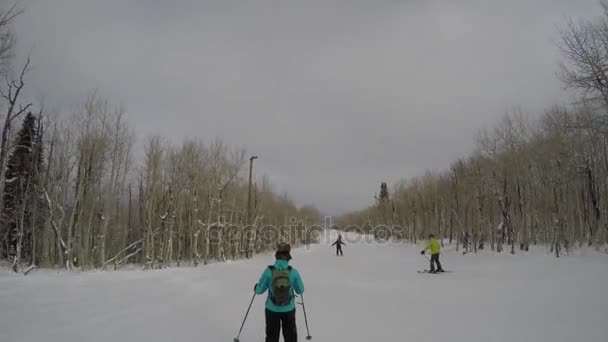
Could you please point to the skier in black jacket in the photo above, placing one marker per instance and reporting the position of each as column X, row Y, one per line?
column 338, row 245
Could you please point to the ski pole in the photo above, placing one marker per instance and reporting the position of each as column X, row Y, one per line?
column 236, row 339
column 308, row 337
column 427, row 257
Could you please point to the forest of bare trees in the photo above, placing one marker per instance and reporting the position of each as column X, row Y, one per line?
column 531, row 180
column 74, row 193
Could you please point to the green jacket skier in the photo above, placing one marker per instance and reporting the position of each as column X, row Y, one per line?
column 435, row 247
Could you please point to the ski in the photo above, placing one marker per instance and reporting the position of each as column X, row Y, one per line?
column 429, row 272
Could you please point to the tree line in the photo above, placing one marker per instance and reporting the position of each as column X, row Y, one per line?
column 531, row 179
column 73, row 193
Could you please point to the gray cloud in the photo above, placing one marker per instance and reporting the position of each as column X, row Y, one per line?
column 334, row 95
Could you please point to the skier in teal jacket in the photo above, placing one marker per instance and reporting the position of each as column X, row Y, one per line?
column 280, row 307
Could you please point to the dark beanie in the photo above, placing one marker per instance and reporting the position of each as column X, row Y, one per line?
column 283, row 251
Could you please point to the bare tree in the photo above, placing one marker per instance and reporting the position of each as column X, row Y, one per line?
column 584, row 47
column 7, row 38
column 544, row 179
column 189, row 205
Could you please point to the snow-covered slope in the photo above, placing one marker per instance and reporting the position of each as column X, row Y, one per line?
column 373, row 293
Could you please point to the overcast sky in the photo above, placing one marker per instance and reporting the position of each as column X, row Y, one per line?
column 335, row 96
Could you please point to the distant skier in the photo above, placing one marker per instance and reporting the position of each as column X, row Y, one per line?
column 338, row 245
column 280, row 280
column 435, row 248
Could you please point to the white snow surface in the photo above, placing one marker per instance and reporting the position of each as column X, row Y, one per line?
column 373, row 293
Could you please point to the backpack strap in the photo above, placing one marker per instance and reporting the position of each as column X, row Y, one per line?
column 292, row 293
column 272, row 268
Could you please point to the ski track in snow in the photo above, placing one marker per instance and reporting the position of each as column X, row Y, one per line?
column 373, row 293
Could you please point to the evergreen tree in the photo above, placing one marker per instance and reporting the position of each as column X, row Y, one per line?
column 383, row 201
column 383, row 192
column 21, row 198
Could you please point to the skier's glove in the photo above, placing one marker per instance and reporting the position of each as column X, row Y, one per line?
column 422, row 252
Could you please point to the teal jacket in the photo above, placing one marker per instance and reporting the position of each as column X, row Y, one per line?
column 266, row 280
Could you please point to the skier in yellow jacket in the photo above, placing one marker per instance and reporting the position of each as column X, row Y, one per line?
column 435, row 248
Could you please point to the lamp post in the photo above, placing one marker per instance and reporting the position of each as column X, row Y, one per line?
column 249, row 194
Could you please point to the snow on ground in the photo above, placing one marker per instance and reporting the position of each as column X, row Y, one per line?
column 373, row 293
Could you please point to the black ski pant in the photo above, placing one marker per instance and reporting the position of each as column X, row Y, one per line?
column 277, row 320
column 339, row 250
column 435, row 261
